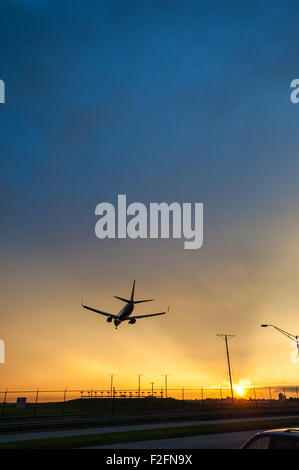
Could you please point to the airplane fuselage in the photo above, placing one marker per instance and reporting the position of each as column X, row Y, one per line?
column 124, row 313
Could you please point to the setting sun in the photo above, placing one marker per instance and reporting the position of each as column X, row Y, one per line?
column 240, row 390
column 241, row 387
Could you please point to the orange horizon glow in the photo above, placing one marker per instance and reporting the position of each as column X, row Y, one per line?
column 51, row 342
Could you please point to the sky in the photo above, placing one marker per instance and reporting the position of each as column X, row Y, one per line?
column 161, row 101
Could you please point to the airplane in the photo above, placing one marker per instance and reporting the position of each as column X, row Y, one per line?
column 125, row 313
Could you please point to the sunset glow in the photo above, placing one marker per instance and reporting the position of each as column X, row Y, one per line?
column 187, row 103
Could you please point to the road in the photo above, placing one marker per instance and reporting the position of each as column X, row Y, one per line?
column 229, row 440
column 108, row 429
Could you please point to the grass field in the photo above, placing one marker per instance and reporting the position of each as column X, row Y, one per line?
column 140, row 435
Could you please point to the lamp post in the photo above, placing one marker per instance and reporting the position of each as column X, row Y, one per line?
column 165, row 380
column 111, row 382
column 139, row 384
column 285, row 333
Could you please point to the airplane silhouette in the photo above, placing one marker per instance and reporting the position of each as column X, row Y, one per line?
column 125, row 313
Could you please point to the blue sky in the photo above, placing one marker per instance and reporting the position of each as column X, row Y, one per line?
column 159, row 100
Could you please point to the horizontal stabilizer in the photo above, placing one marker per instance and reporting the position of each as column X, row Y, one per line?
column 133, row 301
column 122, row 299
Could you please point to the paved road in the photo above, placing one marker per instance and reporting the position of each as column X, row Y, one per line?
column 230, row 440
column 107, row 429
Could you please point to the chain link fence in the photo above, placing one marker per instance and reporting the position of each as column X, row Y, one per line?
column 62, row 403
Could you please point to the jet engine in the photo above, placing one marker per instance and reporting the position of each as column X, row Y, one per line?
column 109, row 319
column 132, row 321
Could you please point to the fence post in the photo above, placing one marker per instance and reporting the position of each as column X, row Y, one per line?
column 255, row 398
column 161, row 399
column 3, row 404
column 221, row 404
column 112, row 400
column 90, row 402
column 64, row 400
column 270, row 394
column 285, row 401
column 36, row 402
column 138, row 401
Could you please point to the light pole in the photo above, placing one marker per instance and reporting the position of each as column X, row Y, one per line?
column 152, row 383
column 228, row 362
column 285, row 333
column 165, row 379
column 139, row 383
column 111, row 382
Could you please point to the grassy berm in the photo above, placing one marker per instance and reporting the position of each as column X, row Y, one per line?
column 72, row 442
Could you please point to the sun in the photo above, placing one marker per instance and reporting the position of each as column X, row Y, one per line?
column 240, row 390
column 241, row 387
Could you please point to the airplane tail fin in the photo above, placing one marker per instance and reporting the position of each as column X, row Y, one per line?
column 133, row 290
column 137, row 301
column 127, row 300
column 132, row 297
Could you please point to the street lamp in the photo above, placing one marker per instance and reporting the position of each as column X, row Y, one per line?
column 165, row 378
column 285, row 333
column 139, row 384
column 111, row 382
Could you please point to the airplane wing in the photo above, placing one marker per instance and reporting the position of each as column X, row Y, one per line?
column 148, row 315
column 100, row 312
